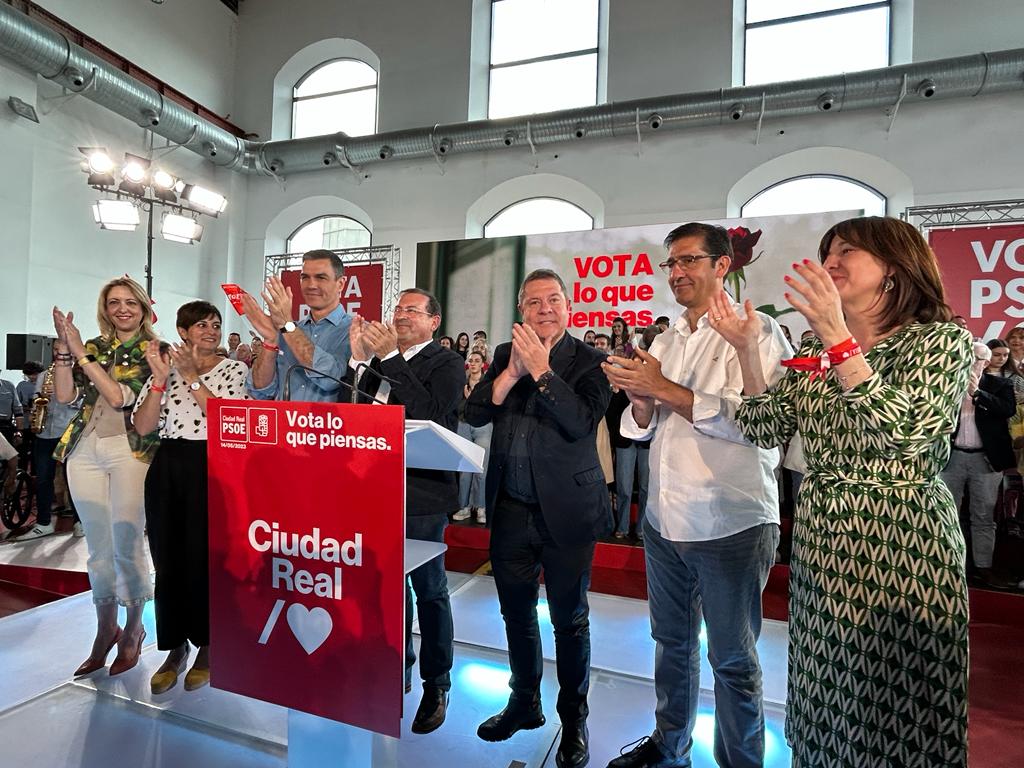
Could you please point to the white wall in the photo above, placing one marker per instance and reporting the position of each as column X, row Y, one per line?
column 190, row 44
column 937, row 152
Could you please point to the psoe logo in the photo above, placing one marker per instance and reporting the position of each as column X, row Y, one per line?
column 234, row 425
column 262, row 425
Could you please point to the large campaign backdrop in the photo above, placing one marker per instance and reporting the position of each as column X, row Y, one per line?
column 612, row 272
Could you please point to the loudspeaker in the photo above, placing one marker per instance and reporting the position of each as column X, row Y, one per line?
column 28, row 346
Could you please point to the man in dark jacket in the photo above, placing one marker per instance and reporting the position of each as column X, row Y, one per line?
column 545, row 393
column 982, row 449
column 427, row 379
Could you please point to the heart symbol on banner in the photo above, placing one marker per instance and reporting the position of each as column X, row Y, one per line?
column 310, row 627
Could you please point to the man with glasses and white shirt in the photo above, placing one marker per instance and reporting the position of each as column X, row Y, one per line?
column 426, row 378
column 712, row 523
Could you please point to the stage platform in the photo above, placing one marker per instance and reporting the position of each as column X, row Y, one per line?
column 48, row 720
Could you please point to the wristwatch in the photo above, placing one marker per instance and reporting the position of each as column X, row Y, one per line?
column 195, row 385
column 287, row 327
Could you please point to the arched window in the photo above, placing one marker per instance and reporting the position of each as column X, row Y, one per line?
column 815, row 194
column 544, row 56
column 536, row 216
column 340, row 95
column 794, row 39
column 331, row 232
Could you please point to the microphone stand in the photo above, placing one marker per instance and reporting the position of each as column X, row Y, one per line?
column 355, row 391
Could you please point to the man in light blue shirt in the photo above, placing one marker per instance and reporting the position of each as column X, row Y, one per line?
column 320, row 341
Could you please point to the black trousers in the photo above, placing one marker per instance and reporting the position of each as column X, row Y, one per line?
column 176, row 522
column 520, row 547
column 433, row 607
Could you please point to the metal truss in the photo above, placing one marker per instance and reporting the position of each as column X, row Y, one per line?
column 926, row 217
column 388, row 255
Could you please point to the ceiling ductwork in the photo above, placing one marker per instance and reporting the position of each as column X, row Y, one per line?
column 34, row 46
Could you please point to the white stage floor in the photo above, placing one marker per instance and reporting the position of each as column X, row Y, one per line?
column 49, row 721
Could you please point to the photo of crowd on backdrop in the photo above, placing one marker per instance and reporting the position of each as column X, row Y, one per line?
column 802, row 389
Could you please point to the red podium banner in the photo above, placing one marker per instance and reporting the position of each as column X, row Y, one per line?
column 307, row 534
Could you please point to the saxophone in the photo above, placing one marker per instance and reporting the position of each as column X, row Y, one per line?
column 41, row 402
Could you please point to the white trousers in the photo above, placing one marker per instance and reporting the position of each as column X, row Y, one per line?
column 107, row 483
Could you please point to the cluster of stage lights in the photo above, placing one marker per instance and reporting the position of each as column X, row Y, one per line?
column 137, row 177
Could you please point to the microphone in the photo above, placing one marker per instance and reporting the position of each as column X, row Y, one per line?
column 307, row 369
column 355, row 391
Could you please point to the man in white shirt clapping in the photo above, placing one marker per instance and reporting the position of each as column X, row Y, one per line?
column 712, row 523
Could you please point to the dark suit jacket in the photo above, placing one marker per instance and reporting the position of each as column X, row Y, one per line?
column 430, row 387
column 994, row 403
column 570, row 486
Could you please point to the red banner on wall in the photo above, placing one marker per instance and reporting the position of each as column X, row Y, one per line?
column 983, row 273
column 363, row 293
column 307, row 533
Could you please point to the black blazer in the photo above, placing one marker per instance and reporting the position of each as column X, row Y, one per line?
column 430, row 388
column 570, row 486
column 994, row 404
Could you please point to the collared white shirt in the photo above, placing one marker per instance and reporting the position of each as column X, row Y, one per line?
column 707, row 481
column 384, row 391
column 968, row 436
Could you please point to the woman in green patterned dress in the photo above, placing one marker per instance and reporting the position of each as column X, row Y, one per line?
column 878, row 594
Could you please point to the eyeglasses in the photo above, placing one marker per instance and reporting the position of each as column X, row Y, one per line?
column 683, row 262
column 400, row 310
column 555, row 302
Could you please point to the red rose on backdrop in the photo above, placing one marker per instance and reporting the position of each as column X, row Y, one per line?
column 743, row 242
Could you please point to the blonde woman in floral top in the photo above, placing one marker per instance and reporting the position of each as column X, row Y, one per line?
column 107, row 460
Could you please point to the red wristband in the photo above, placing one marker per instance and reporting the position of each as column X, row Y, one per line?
column 271, row 347
column 843, row 351
column 157, row 388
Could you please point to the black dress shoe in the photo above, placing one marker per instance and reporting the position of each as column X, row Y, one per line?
column 517, row 716
column 573, row 750
column 646, row 754
column 432, row 710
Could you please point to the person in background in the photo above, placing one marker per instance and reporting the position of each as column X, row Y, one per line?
column 10, row 411
column 462, row 344
column 663, row 322
column 107, row 460
column 632, row 460
column 234, row 340
column 1001, row 365
column 1015, row 341
column 173, row 400
column 603, row 343
column 244, row 355
column 27, row 389
column 58, row 416
column 960, row 320
column 447, row 342
column 472, row 486
column 648, row 336
column 588, row 338
column 622, row 344
column 982, row 450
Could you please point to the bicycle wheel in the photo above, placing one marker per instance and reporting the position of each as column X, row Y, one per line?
column 17, row 508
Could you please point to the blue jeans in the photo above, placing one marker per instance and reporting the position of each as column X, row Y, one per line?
column 433, row 607
column 636, row 455
column 722, row 580
column 472, row 485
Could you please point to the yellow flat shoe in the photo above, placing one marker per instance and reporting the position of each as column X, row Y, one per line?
column 196, row 678
column 164, row 679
